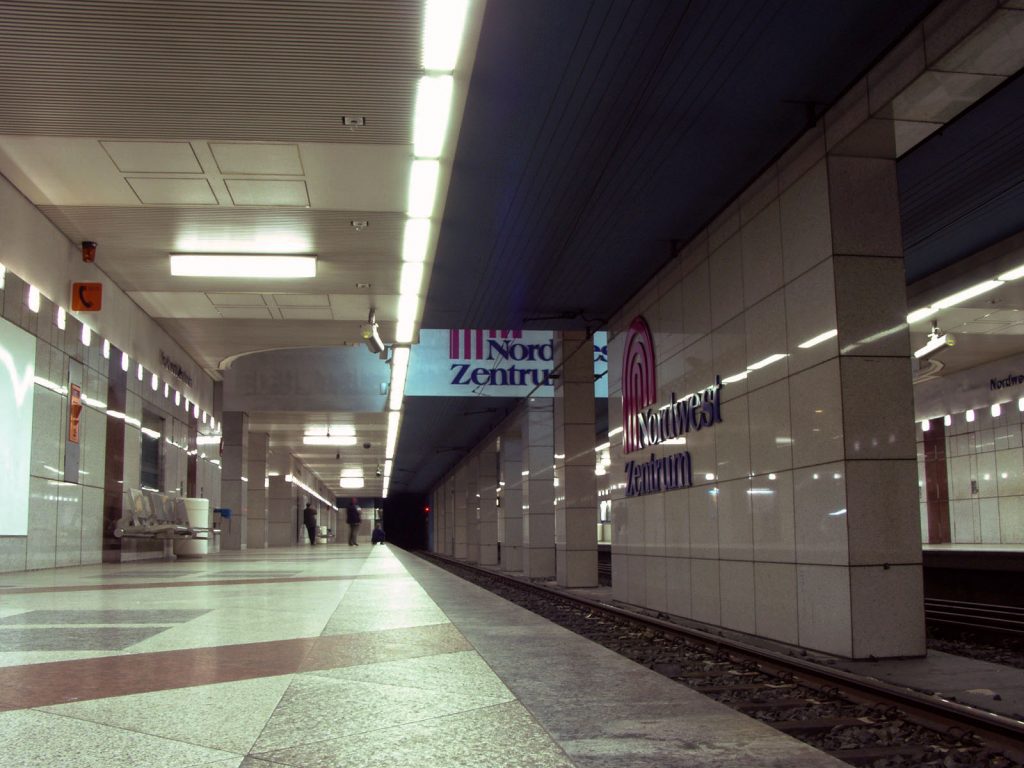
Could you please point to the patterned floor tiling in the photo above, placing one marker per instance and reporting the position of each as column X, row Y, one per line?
column 75, row 639
column 145, row 573
column 502, row 736
column 386, row 645
column 104, row 617
column 318, row 708
column 459, row 671
column 225, row 716
column 43, row 740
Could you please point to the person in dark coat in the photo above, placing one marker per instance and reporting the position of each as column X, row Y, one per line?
column 377, row 537
column 309, row 518
column 353, row 517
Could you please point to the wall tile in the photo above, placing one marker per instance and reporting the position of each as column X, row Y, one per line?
column 706, row 604
column 864, row 205
column 655, row 577
column 703, row 522
column 637, row 580
column 805, row 222
column 654, row 524
column 878, row 408
column 765, row 338
column 775, row 601
column 816, row 411
column 732, row 440
column 726, row 266
column 762, row 255
column 819, row 494
column 770, row 430
column 12, row 553
column 823, row 605
column 1011, row 520
column 1010, row 469
column 668, row 324
column 988, row 517
column 677, row 586
column 698, row 364
column 92, row 525
column 47, row 414
column 697, row 302
column 737, row 590
column 882, row 527
column 962, row 520
column 42, row 524
column 677, row 524
column 878, row 594
column 774, row 517
column 807, row 321
column 871, row 304
column 69, row 525
column 735, row 521
column 729, row 347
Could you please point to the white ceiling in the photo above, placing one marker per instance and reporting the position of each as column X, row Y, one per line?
column 220, row 127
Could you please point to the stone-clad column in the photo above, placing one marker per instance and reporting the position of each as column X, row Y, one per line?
column 487, row 485
column 256, row 510
column 234, row 487
column 576, row 493
column 471, row 469
column 510, row 514
column 538, row 490
column 460, row 514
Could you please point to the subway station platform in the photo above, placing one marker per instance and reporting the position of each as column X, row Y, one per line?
column 331, row 656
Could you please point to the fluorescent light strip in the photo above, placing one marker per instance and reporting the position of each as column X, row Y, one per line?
column 1013, row 274
column 33, row 298
column 124, row 361
column 444, row 22
column 242, row 266
column 394, row 420
column 338, row 429
column 351, row 482
column 154, row 382
column 86, row 335
column 207, row 439
column 295, row 481
column 412, row 278
column 736, row 377
column 415, row 239
column 422, row 188
column 967, row 293
column 329, row 440
column 433, row 109
column 399, row 369
column 614, row 432
column 62, row 318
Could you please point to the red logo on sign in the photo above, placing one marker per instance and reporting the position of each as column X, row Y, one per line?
column 469, row 344
column 639, row 385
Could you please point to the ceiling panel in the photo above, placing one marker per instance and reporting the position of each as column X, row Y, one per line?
column 237, row 299
column 269, row 159
column 268, row 192
column 163, row 191
column 258, row 71
column 152, row 156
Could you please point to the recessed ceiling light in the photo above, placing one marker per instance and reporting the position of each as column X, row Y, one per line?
column 362, row 286
column 242, row 265
column 353, row 121
column 360, row 224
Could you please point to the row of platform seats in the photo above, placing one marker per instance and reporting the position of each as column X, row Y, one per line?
column 154, row 515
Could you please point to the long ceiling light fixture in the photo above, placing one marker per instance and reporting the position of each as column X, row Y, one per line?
column 242, row 265
column 399, row 369
column 967, row 293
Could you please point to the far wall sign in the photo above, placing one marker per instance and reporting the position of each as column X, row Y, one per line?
column 645, row 425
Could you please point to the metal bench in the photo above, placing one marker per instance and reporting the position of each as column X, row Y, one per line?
column 152, row 515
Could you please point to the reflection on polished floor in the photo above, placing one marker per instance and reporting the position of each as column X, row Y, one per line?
column 330, row 657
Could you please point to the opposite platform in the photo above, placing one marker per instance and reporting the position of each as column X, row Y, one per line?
column 331, row 656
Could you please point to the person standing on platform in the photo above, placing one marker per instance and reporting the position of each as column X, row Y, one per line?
column 353, row 517
column 309, row 518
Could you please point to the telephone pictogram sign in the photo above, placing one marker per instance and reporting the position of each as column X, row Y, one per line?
column 86, row 297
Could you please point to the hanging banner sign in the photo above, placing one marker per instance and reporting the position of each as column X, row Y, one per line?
column 500, row 363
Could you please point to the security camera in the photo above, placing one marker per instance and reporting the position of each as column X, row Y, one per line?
column 367, row 446
column 370, row 332
column 379, row 471
column 937, row 341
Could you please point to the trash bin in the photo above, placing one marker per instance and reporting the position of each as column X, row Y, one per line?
column 198, row 512
column 321, row 534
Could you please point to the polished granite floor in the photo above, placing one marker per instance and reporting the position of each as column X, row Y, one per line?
column 331, row 656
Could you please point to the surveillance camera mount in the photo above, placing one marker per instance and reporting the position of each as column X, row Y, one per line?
column 370, row 332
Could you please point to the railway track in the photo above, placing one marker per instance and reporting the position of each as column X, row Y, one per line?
column 861, row 721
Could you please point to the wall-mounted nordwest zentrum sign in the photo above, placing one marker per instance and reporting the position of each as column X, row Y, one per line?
column 645, row 424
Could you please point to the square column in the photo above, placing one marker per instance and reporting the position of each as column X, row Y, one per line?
column 487, row 485
column 281, row 513
column 460, row 515
column 510, row 510
column 538, row 489
column 576, row 489
column 234, row 487
column 256, row 518
column 471, row 469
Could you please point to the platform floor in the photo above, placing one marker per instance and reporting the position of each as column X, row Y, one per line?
column 331, row 656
